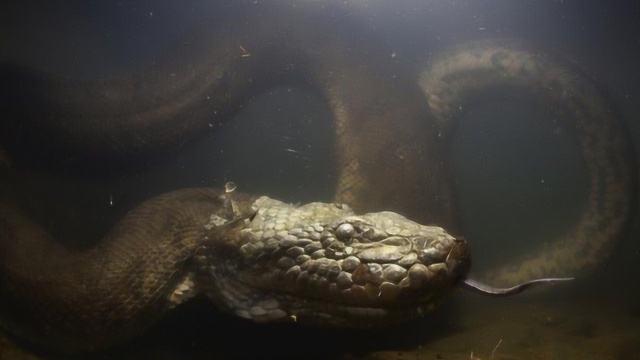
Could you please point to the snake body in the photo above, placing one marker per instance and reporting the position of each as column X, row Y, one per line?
column 316, row 263
column 257, row 257
column 464, row 71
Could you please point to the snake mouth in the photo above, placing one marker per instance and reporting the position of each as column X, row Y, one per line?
column 371, row 294
column 377, row 268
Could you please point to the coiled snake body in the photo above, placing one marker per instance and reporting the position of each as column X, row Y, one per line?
column 257, row 257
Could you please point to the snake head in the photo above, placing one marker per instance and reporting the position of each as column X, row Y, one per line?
column 320, row 263
column 389, row 262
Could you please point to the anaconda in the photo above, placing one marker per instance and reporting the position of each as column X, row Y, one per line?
column 256, row 257
column 375, row 268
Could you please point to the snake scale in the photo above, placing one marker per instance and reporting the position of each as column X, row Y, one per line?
column 257, row 257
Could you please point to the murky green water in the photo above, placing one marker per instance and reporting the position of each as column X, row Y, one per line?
column 517, row 174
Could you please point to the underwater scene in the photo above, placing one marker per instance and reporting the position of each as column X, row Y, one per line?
column 320, row 179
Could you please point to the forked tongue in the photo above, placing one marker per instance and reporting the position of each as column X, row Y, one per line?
column 489, row 290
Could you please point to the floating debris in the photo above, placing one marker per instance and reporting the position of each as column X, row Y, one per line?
column 245, row 53
column 229, row 187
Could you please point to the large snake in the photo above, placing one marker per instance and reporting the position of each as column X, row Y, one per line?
column 257, row 257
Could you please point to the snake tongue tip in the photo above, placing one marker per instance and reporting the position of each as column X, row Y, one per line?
column 489, row 290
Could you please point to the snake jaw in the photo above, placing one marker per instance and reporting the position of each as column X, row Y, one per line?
column 322, row 264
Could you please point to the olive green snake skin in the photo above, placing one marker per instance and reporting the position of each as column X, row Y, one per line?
column 259, row 258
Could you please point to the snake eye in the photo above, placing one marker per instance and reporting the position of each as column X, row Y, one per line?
column 344, row 232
